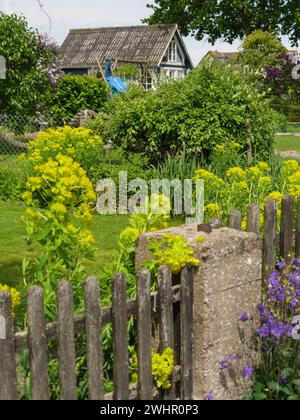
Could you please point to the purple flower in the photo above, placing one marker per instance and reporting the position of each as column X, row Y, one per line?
column 281, row 265
column 224, row 364
column 232, row 358
column 283, row 379
column 209, row 397
column 244, row 317
column 247, row 372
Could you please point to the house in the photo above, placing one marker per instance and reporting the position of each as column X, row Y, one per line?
column 225, row 57
column 158, row 50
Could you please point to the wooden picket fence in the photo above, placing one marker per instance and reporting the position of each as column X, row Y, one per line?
column 283, row 245
column 63, row 332
column 174, row 304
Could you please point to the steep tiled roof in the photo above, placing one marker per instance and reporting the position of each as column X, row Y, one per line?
column 137, row 44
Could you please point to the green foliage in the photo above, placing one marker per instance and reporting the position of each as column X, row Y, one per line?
column 174, row 252
column 281, row 123
column 265, row 59
column 30, row 60
column 76, row 93
column 128, row 71
column 260, row 49
column 209, row 107
column 162, row 368
column 228, row 20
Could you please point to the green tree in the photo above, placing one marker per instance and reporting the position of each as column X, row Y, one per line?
column 260, row 49
column 31, row 65
column 229, row 19
column 264, row 56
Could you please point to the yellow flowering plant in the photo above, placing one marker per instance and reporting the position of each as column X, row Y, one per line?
column 172, row 251
column 59, row 230
column 162, row 368
column 15, row 296
column 240, row 187
column 69, row 141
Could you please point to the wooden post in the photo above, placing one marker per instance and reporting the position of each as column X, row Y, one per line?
column 235, row 220
column 120, row 338
column 286, row 227
column 37, row 343
column 249, row 141
column 269, row 240
column 297, row 244
column 66, row 341
column 166, row 327
column 187, row 286
column 94, row 339
column 145, row 388
column 253, row 219
column 8, row 373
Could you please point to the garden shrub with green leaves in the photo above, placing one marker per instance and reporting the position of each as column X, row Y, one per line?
column 74, row 94
column 211, row 106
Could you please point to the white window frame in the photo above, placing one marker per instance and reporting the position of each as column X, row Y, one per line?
column 172, row 52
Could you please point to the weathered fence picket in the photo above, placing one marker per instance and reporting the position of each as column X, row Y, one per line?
column 186, row 315
column 286, row 227
column 253, row 218
column 120, row 338
column 269, row 237
column 166, row 327
column 235, row 220
column 66, row 341
column 93, row 338
column 37, row 343
column 8, row 373
column 144, row 320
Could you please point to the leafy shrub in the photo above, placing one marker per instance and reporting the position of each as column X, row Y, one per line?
column 76, row 93
column 209, row 107
column 31, row 61
column 281, row 123
column 11, row 184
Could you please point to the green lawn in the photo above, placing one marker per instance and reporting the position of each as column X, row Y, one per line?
column 13, row 246
column 283, row 143
column 294, row 128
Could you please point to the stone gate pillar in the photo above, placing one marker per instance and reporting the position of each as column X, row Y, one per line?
column 227, row 283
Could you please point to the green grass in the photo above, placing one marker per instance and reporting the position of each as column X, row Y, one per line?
column 13, row 246
column 294, row 128
column 283, row 143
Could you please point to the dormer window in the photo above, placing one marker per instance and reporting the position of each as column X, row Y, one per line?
column 172, row 52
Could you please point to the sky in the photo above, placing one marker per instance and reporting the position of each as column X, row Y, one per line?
column 67, row 14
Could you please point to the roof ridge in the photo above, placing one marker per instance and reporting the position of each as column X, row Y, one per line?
column 162, row 25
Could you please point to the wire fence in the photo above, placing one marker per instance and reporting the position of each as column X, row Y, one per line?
column 17, row 131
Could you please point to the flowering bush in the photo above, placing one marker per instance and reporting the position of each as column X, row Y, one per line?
column 276, row 375
column 60, row 231
column 15, row 296
column 241, row 187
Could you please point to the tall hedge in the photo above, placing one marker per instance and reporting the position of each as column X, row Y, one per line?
column 209, row 107
column 76, row 93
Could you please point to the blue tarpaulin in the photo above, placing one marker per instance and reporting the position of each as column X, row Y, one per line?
column 115, row 83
